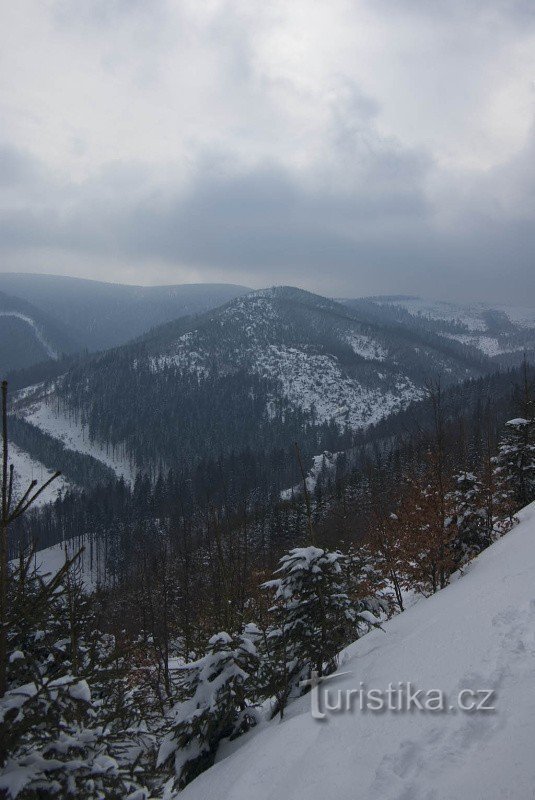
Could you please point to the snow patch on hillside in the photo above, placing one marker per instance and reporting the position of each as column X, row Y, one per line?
column 366, row 347
column 478, row 633
column 256, row 310
column 519, row 315
column 183, row 358
column 489, row 345
column 89, row 564
column 316, row 382
column 324, row 463
column 52, row 420
column 469, row 316
column 27, row 469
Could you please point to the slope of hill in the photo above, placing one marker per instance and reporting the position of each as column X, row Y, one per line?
column 478, row 634
column 101, row 315
column 499, row 331
column 29, row 335
column 254, row 375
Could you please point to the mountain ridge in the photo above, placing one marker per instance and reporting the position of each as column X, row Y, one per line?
column 256, row 374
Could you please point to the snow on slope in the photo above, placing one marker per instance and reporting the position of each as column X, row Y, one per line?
column 49, row 350
column 317, row 381
column 46, row 416
column 28, row 469
column 366, row 347
column 324, row 462
column 308, row 379
column 479, row 633
column 489, row 345
column 51, row 559
column 467, row 315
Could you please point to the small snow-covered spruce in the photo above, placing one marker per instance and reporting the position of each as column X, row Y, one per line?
column 65, row 716
column 369, row 588
column 468, row 517
column 514, row 466
column 214, row 703
column 313, row 619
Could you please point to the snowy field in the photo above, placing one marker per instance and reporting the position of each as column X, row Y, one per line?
column 479, row 633
column 66, row 429
column 52, row 559
column 26, row 470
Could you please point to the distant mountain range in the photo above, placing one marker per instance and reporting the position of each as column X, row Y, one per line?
column 248, row 378
column 94, row 315
column 501, row 332
column 29, row 335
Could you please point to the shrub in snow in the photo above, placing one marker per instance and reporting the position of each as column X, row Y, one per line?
column 427, row 539
column 213, row 704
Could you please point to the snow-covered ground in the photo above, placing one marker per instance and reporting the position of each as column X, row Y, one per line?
column 27, row 469
column 89, row 563
column 519, row 315
column 467, row 315
column 489, row 345
column 45, row 415
column 366, row 347
column 473, row 317
column 478, row 634
column 317, row 381
column 49, row 350
column 326, row 461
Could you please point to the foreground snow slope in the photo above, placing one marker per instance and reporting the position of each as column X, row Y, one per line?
column 478, row 633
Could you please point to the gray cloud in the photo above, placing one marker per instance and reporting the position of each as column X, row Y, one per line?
column 283, row 161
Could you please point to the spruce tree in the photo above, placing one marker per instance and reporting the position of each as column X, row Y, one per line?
column 69, row 720
column 468, row 518
column 514, row 465
column 313, row 618
column 213, row 703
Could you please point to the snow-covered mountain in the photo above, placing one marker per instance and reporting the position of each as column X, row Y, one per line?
column 256, row 374
column 500, row 331
column 478, row 634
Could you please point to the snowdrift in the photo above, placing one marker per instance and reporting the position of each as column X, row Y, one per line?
column 479, row 633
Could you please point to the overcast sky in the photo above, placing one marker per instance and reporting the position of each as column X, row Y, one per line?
column 349, row 147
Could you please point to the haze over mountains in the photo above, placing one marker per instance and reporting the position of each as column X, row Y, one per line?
column 96, row 315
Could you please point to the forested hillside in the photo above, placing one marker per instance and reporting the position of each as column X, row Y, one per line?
column 29, row 335
column 248, row 378
column 502, row 332
column 212, row 610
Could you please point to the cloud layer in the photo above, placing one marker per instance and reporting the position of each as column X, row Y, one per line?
column 353, row 147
